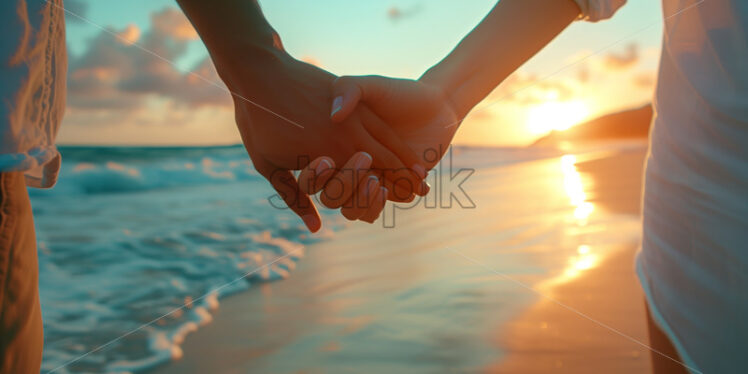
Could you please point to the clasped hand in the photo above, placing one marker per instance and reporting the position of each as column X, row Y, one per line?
column 387, row 133
column 415, row 113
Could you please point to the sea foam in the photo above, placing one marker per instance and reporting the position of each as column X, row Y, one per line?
column 137, row 246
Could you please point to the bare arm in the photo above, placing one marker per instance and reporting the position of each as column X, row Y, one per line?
column 511, row 34
column 236, row 33
column 425, row 112
column 281, row 107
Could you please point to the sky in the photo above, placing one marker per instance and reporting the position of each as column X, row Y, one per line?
column 121, row 94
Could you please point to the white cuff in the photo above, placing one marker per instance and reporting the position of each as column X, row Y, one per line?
column 597, row 10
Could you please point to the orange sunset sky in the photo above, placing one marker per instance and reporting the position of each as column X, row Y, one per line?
column 120, row 95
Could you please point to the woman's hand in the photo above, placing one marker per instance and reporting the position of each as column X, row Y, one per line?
column 282, row 115
column 418, row 113
column 354, row 187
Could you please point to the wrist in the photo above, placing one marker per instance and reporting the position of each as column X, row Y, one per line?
column 436, row 77
column 237, row 36
column 440, row 80
column 249, row 67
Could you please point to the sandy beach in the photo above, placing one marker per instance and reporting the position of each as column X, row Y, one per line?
column 458, row 290
column 548, row 337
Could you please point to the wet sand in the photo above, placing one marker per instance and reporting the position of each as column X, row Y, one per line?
column 406, row 300
column 549, row 337
column 557, row 334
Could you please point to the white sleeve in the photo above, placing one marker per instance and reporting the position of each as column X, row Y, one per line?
column 597, row 10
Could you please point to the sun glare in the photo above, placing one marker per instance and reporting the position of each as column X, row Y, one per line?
column 556, row 115
column 575, row 190
column 585, row 257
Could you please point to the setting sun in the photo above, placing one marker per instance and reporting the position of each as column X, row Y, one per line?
column 556, row 115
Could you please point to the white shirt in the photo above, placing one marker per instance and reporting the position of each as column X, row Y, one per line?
column 33, row 64
column 693, row 265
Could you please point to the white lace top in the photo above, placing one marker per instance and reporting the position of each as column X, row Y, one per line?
column 33, row 65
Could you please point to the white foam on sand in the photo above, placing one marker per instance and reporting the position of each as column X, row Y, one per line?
column 130, row 235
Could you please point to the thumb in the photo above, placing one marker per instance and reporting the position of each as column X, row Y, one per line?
column 346, row 93
column 374, row 90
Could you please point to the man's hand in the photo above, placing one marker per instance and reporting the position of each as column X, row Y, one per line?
column 298, row 129
column 282, row 105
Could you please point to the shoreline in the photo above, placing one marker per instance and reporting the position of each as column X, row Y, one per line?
column 580, row 327
column 368, row 286
column 549, row 337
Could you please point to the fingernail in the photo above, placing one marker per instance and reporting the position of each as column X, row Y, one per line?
column 420, row 170
column 337, row 105
column 425, row 187
column 312, row 222
column 364, row 161
column 323, row 165
column 373, row 185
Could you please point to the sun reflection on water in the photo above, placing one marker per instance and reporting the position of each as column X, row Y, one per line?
column 575, row 189
column 585, row 257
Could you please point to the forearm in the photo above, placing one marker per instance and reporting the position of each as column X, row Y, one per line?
column 235, row 31
column 513, row 32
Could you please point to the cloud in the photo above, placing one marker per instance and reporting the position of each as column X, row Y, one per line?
column 528, row 89
column 619, row 61
column 583, row 74
column 115, row 74
column 395, row 13
column 312, row 61
column 129, row 35
column 644, row 80
column 173, row 23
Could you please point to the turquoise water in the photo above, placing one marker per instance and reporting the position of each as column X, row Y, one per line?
column 132, row 234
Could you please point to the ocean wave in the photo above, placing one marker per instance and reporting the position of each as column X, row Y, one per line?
column 100, row 172
column 135, row 254
column 146, row 303
column 137, row 246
